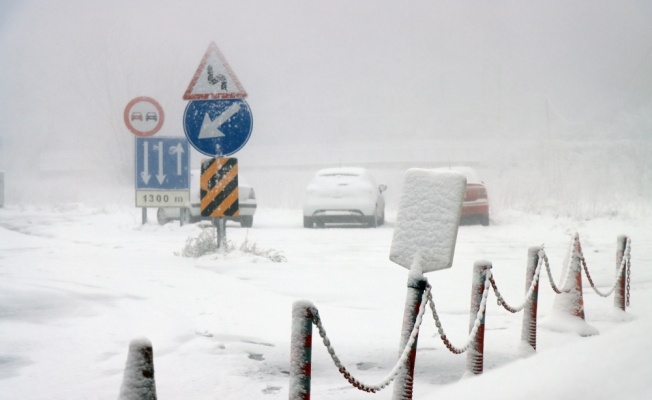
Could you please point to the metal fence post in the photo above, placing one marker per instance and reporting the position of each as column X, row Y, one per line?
column 475, row 354
column 404, row 380
column 301, row 351
column 620, row 296
column 529, row 328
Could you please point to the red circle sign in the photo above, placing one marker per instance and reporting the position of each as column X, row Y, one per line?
column 144, row 116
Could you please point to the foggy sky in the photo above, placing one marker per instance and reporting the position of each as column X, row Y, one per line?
column 326, row 80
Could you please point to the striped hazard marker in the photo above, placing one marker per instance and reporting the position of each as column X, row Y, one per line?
column 219, row 187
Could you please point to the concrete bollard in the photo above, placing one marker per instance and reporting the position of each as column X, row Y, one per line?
column 138, row 382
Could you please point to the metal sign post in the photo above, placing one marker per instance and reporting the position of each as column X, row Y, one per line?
column 217, row 122
column 162, row 173
column 144, row 117
column 220, row 225
column 424, row 240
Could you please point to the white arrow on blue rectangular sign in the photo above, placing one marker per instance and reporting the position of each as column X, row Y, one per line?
column 162, row 163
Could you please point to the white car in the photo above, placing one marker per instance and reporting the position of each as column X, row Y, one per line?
column 246, row 201
column 344, row 195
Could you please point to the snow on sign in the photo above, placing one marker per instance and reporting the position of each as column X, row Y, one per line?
column 144, row 116
column 428, row 218
column 214, row 79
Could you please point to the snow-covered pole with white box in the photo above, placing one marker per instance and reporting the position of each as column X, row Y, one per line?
column 424, row 240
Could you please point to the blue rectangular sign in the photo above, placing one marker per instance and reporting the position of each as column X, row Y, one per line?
column 162, row 163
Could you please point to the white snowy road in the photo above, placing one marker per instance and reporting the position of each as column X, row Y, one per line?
column 78, row 283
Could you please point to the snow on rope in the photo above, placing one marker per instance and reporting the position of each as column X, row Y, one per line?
column 478, row 319
column 397, row 367
column 489, row 283
column 624, row 264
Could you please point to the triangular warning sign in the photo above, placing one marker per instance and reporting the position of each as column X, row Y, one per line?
column 214, row 79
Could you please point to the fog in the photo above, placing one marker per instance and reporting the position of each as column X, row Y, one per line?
column 550, row 102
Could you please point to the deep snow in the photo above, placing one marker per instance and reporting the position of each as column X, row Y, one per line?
column 79, row 283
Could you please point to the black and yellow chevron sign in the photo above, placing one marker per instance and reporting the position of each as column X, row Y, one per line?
column 218, row 187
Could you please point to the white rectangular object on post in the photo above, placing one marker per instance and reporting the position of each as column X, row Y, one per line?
column 428, row 219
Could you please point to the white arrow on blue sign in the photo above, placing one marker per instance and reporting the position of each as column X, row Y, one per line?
column 218, row 128
column 162, row 163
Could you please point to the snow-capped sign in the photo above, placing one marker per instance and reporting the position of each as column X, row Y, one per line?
column 214, row 79
column 428, row 218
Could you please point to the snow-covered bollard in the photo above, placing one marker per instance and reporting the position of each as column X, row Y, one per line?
column 138, row 381
column 404, row 379
column 301, row 350
column 529, row 328
column 621, row 294
column 475, row 353
column 568, row 307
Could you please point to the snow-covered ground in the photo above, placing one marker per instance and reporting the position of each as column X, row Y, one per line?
column 78, row 283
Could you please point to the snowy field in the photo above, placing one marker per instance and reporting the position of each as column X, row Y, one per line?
column 78, row 283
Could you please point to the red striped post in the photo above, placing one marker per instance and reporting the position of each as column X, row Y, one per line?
column 475, row 354
column 568, row 307
column 576, row 270
column 301, row 351
column 529, row 328
column 404, row 380
column 620, row 295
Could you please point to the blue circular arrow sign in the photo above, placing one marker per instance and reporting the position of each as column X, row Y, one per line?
column 218, row 127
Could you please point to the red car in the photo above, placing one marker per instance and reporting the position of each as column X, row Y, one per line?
column 475, row 208
column 476, row 204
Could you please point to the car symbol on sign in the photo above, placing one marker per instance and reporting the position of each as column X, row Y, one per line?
column 152, row 116
column 136, row 115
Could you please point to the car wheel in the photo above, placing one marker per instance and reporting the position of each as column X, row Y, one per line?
column 320, row 224
column 381, row 221
column 161, row 217
column 484, row 220
column 373, row 221
column 307, row 222
column 247, row 221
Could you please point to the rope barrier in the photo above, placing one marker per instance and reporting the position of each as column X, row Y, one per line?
column 489, row 283
column 397, row 367
column 625, row 263
column 528, row 295
column 476, row 324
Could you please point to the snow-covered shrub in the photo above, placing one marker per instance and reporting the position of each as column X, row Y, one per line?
column 206, row 243
column 252, row 248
